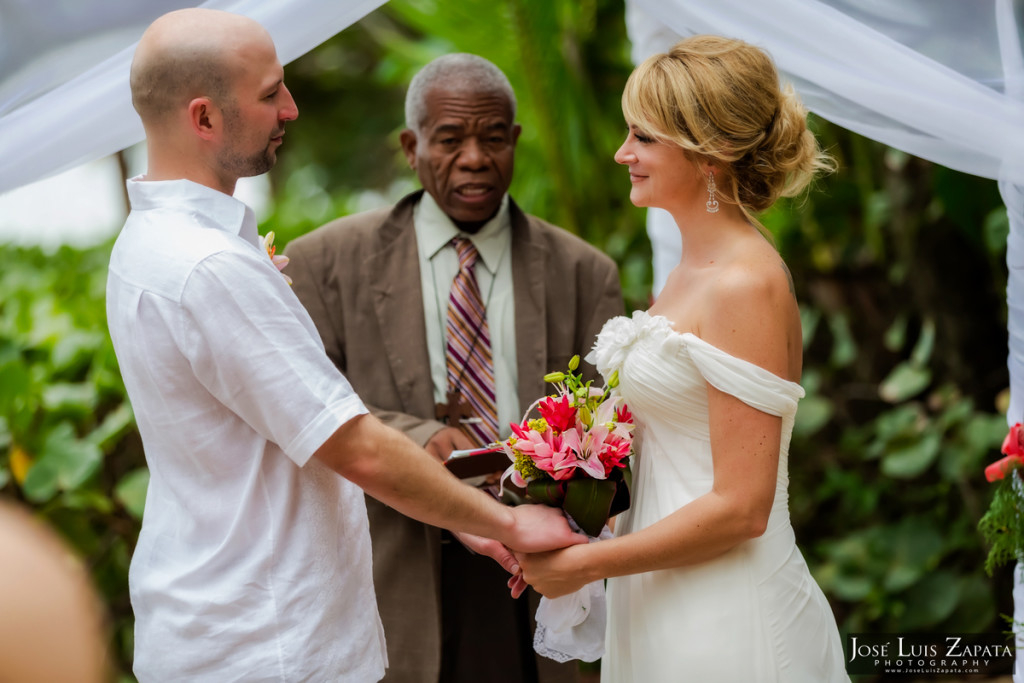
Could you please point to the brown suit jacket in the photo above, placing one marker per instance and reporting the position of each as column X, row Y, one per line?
column 359, row 279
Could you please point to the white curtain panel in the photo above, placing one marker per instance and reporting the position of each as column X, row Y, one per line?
column 924, row 76
column 64, row 97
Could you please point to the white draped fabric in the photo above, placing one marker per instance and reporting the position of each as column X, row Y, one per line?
column 940, row 79
column 929, row 77
column 64, row 97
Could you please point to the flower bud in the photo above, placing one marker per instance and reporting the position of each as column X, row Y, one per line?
column 585, row 416
column 613, row 381
column 553, row 377
column 574, row 362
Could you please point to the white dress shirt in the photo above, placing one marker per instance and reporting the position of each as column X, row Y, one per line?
column 253, row 563
column 439, row 264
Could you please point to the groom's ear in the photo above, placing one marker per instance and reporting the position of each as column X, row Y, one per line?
column 203, row 117
column 408, row 140
column 516, row 130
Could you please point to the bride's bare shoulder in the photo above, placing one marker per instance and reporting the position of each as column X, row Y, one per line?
column 755, row 270
column 750, row 309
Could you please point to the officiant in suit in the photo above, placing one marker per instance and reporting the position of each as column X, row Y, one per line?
column 444, row 312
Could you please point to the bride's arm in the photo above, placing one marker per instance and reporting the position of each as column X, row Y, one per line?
column 745, row 444
column 745, row 454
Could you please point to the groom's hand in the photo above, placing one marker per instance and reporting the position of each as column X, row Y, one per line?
column 446, row 440
column 538, row 528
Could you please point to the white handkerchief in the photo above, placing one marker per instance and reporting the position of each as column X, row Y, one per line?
column 572, row 626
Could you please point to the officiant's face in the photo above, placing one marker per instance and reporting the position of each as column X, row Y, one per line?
column 464, row 153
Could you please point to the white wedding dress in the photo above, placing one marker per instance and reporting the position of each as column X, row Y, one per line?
column 754, row 613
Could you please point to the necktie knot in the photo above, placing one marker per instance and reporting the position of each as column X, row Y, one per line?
column 467, row 253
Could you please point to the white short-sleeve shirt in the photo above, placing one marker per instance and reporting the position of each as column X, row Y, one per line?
column 253, row 563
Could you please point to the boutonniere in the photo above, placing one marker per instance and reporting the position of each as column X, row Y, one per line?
column 279, row 260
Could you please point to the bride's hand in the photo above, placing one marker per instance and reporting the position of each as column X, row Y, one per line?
column 556, row 573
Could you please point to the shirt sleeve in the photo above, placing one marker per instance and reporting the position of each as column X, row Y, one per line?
column 252, row 345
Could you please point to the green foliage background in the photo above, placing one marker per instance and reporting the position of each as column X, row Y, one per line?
column 899, row 265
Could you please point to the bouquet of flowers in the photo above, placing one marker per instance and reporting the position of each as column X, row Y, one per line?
column 575, row 455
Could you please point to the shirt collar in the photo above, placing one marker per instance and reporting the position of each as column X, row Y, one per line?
column 219, row 210
column 435, row 230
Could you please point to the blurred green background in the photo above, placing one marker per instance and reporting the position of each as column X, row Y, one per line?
column 899, row 265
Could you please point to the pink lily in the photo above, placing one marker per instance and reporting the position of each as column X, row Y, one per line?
column 545, row 449
column 586, row 457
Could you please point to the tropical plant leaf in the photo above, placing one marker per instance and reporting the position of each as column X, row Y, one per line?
column 65, row 463
column 911, row 459
column 906, row 380
column 588, row 502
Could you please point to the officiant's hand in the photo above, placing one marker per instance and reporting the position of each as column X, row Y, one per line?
column 500, row 554
column 446, row 440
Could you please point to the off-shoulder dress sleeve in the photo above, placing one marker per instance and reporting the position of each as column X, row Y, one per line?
column 748, row 382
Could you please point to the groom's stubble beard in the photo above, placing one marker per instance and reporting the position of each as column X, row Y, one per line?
column 234, row 160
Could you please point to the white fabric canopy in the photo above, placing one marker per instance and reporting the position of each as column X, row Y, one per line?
column 64, row 97
column 924, row 76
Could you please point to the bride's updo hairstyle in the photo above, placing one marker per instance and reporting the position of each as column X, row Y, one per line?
column 720, row 100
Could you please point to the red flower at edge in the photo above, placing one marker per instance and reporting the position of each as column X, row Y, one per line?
column 1012, row 443
column 1014, row 450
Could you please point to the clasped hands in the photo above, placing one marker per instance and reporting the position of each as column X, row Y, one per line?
column 538, row 555
column 542, row 559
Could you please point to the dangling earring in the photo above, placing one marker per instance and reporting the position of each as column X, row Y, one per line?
column 712, row 204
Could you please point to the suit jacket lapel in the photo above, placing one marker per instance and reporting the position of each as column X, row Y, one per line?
column 529, row 261
column 394, row 276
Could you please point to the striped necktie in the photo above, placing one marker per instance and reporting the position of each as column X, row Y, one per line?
column 470, row 366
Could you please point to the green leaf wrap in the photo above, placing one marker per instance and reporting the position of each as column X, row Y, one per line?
column 588, row 502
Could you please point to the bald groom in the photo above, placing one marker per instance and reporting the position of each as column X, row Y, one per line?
column 253, row 562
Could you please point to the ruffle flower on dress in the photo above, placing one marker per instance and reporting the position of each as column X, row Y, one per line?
column 617, row 337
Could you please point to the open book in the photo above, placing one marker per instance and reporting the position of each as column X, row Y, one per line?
column 474, row 465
